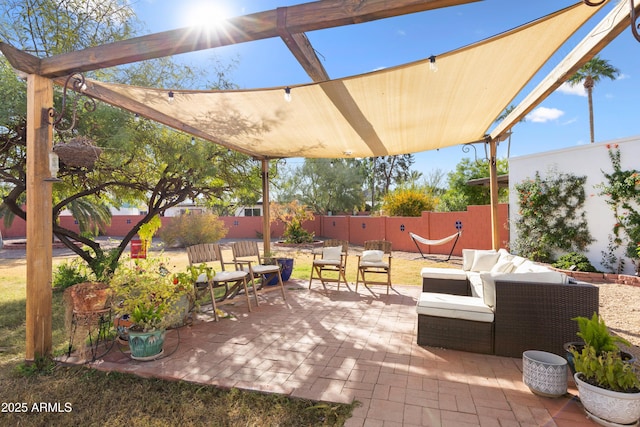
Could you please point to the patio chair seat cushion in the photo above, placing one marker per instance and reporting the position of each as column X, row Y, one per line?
column 223, row 276
column 376, row 264
column 454, row 307
column 262, row 269
column 322, row 262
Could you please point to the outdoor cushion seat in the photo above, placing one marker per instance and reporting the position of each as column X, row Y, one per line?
column 331, row 259
column 374, row 264
column 443, row 273
column 454, row 307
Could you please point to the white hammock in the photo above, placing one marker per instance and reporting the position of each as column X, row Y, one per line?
column 434, row 242
column 442, row 241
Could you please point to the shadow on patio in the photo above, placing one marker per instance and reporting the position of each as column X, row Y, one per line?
column 339, row 346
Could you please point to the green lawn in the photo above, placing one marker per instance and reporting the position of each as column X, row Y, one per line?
column 98, row 398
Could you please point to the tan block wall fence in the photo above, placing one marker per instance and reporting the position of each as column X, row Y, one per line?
column 476, row 228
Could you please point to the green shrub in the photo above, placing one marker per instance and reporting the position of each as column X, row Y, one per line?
column 69, row 274
column 192, row 229
column 580, row 261
column 292, row 215
column 408, row 202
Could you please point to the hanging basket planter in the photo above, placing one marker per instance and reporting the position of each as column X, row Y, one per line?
column 78, row 152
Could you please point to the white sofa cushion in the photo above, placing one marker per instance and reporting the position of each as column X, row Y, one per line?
column 443, row 273
column 489, row 284
column 484, row 260
column 475, row 283
column 504, row 263
column 467, row 258
column 454, row 307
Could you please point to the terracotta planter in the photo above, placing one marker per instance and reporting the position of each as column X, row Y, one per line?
column 89, row 296
column 608, row 407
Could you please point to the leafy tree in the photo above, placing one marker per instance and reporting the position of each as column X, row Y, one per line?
column 51, row 27
column 408, row 201
column 459, row 194
column 142, row 163
column 381, row 173
column 325, row 185
column 590, row 74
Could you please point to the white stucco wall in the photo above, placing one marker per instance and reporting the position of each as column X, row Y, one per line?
column 584, row 160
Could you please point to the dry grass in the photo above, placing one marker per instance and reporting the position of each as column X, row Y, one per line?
column 98, row 398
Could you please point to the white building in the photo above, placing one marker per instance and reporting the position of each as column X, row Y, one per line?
column 592, row 161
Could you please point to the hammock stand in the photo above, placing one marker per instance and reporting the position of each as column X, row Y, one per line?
column 428, row 242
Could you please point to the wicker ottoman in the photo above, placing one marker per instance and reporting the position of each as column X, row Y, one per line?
column 456, row 322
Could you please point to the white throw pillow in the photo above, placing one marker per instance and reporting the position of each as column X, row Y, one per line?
column 504, row 264
column 332, row 253
column 467, row 258
column 526, row 267
column 518, row 260
column 484, row 260
column 372, row 256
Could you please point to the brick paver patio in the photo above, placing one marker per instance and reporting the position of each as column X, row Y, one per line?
column 339, row 346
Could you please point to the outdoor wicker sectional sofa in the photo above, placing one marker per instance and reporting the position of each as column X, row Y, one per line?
column 501, row 304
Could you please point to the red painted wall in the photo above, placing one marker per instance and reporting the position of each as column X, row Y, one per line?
column 476, row 228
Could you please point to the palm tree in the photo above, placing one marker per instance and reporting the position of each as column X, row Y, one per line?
column 589, row 75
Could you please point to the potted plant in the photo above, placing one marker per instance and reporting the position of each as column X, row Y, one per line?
column 595, row 333
column 609, row 387
column 145, row 291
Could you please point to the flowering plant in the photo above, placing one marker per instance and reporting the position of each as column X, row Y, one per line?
column 145, row 290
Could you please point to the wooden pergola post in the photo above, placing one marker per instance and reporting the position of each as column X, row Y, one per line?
column 266, row 214
column 39, row 218
column 493, row 183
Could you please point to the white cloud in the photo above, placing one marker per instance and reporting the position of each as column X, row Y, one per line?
column 543, row 115
column 577, row 89
column 402, row 33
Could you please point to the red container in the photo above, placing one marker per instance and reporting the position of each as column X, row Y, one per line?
column 138, row 249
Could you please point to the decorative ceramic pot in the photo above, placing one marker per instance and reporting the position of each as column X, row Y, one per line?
column 544, row 373
column 146, row 345
column 286, row 268
column 608, row 407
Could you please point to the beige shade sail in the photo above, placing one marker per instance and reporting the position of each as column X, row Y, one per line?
column 405, row 109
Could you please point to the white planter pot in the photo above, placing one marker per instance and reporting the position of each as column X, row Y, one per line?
column 544, row 373
column 612, row 407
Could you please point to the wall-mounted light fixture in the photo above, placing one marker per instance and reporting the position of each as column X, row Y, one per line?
column 432, row 63
column 54, row 167
column 287, row 94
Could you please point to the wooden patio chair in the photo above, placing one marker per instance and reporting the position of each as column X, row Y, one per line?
column 375, row 261
column 231, row 281
column 247, row 254
column 332, row 258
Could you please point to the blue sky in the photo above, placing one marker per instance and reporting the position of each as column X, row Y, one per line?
column 560, row 121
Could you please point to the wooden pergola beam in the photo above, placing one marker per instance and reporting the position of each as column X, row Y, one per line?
column 300, row 19
column 607, row 29
column 301, row 48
